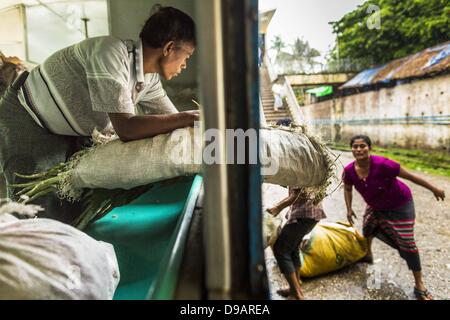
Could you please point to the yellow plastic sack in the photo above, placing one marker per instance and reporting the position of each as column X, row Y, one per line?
column 330, row 247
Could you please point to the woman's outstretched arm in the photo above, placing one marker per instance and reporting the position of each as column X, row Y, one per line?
column 438, row 193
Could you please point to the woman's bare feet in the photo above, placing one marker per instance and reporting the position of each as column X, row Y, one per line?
column 296, row 296
column 284, row 292
column 287, row 293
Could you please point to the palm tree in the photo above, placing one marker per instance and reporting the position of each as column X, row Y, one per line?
column 300, row 48
column 278, row 44
column 302, row 54
column 310, row 57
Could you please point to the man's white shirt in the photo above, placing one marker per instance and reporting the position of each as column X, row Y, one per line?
column 72, row 92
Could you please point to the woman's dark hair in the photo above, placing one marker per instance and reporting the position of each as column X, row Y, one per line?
column 362, row 137
column 167, row 24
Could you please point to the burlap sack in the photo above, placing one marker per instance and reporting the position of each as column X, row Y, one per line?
column 46, row 259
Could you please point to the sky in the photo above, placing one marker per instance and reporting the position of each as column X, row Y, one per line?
column 306, row 18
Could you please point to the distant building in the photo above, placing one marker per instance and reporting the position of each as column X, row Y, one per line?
column 403, row 103
column 424, row 64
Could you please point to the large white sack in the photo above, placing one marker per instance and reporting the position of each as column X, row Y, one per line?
column 46, row 259
column 127, row 165
column 297, row 161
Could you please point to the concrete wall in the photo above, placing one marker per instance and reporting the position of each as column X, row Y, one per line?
column 414, row 115
column 12, row 32
column 318, row 79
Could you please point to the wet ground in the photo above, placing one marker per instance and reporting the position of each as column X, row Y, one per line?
column 389, row 277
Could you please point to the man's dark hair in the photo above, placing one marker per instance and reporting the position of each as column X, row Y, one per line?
column 168, row 24
column 362, row 137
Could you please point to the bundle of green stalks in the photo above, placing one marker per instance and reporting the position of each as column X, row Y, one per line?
column 39, row 184
column 99, row 202
column 96, row 203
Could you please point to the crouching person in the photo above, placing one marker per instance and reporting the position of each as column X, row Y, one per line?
column 301, row 219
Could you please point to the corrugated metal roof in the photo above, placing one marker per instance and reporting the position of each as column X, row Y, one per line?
column 363, row 78
column 431, row 60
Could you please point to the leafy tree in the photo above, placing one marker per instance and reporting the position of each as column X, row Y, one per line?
column 406, row 27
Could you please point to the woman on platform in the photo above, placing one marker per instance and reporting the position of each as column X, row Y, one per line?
column 390, row 213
